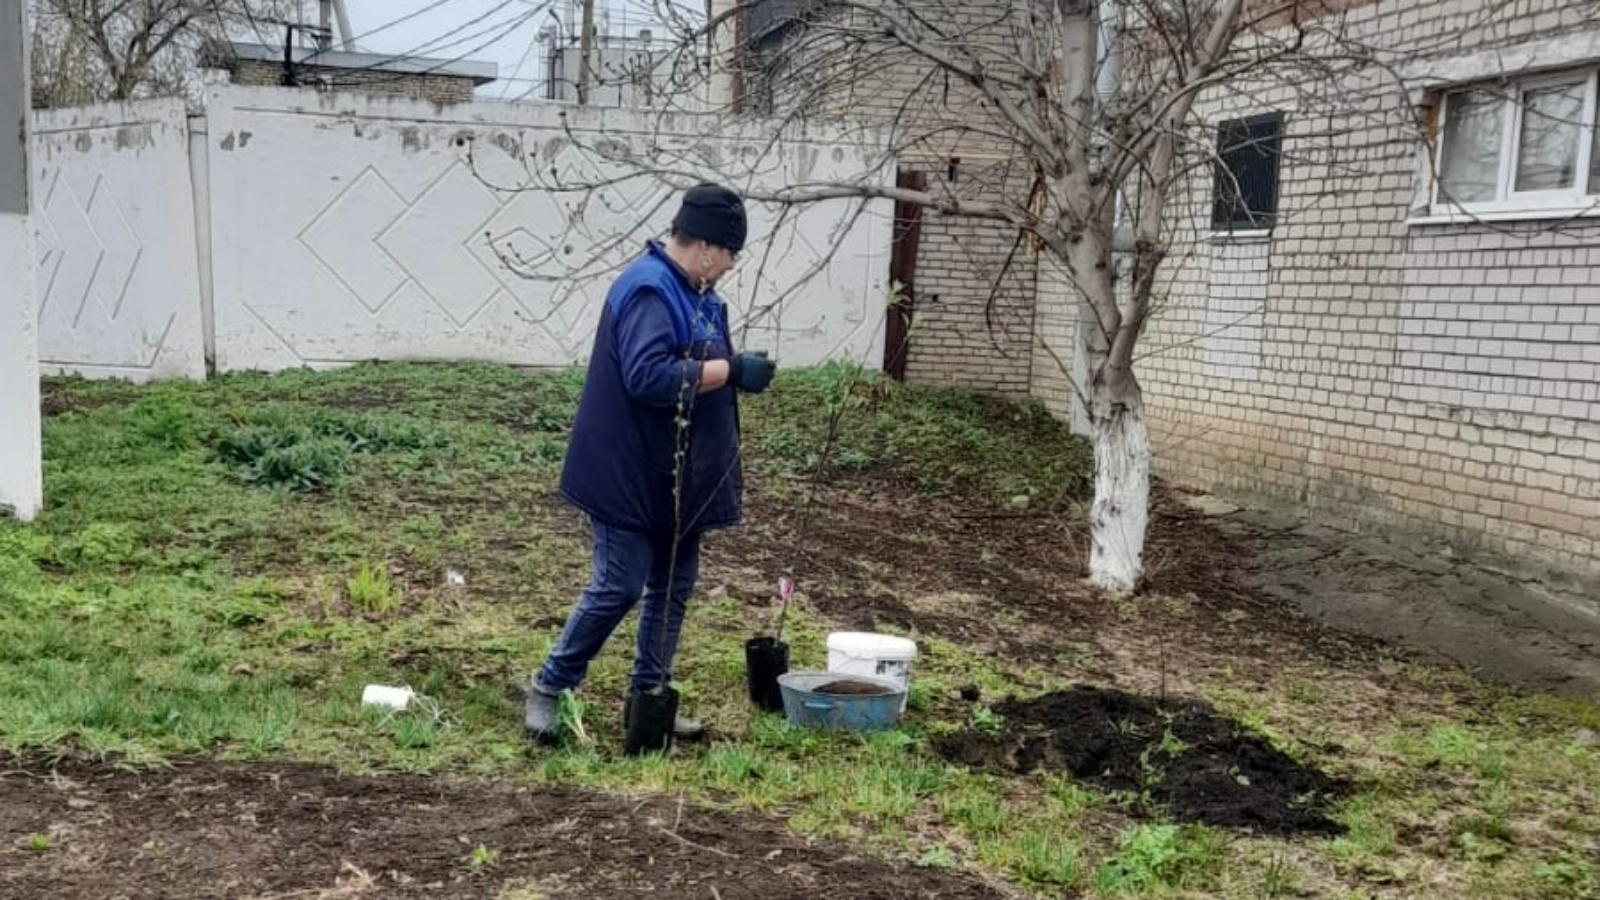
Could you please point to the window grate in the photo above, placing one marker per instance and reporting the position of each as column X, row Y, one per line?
column 765, row 19
column 1249, row 152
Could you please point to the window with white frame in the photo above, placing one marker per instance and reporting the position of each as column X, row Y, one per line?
column 1520, row 146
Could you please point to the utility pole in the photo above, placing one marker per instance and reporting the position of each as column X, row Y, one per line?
column 586, row 54
column 324, row 25
column 21, row 480
column 721, row 52
column 347, row 38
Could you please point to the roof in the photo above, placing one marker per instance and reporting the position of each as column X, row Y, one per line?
column 220, row 53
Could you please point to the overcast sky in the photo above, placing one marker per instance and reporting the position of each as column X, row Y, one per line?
column 505, row 32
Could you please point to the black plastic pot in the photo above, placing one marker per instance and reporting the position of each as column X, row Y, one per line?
column 765, row 659
column 650, row 717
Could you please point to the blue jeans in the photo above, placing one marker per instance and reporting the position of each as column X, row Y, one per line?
column 627, row 565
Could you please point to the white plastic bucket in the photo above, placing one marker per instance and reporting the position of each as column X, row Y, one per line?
column 878, row 655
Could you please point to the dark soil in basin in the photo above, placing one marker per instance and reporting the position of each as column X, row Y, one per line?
column 847, row 688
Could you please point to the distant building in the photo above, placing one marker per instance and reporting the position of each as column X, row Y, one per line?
column 629, row 71
column 422, row 78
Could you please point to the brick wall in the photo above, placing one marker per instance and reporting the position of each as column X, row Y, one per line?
column 434, row 88
column 1378, row 373
column 975, row 290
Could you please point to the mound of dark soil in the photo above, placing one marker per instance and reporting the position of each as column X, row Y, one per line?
column 1181, row 757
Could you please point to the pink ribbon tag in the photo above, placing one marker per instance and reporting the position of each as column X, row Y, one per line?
column 785, row 588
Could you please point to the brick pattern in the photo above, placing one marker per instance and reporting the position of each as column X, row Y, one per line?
column 1504, row 321
column 966, row 330
column 417, row 86
column 1431, row 380
column 1437, row 380
column 1235, row 308
column 973, row 324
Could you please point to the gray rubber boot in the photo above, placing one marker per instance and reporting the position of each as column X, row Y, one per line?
column 542, row 720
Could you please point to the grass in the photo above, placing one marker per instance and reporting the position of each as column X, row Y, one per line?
column 221, row 567
column 1162, row 856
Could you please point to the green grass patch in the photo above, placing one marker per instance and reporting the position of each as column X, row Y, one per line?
column 942, row 440
column 1162, row 856
column 221, row 567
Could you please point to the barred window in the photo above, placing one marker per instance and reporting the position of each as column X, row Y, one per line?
column 1245, row 195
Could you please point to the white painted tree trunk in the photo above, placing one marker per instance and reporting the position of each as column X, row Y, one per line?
column 1121, row 511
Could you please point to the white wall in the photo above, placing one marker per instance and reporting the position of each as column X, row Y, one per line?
column 118, row 282
column 345, row 228
column 21, row 491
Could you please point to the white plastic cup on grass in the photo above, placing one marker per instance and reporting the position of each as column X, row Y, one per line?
column 395, row 698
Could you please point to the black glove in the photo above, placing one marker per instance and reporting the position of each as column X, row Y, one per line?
column 751, row 372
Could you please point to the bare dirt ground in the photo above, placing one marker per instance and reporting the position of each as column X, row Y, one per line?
column 1260, row 590
column 1259, row 598
column 254, row 832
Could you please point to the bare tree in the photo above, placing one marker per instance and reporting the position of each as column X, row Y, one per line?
column 92, row 50
column 1086, row 107
column 1087, row 114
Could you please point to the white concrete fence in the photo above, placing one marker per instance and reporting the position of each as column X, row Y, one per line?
column 283, row 228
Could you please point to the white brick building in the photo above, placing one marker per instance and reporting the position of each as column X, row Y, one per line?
column 420, row 78
column 1400, row 352
column 1377, row 348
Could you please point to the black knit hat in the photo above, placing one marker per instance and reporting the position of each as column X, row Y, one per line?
column 713, row 214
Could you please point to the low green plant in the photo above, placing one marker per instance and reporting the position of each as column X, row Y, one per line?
column 570, row 712
column 1454, row 745
column 165, row 420
column 1569, row 871
column 415, row 732
column 732, row 765
column 1280, row 879
column 99, row 546
column 988, row 721
column 1171, row 745
column 289, row 457
column 312, row 451
column 1369, row 830
column 1073, row 798
column 370, row 592
column 1156, row 856
column 483, row 858
column 937, row 857
column 39, row 843
column 947, row 438
column 1047, row 859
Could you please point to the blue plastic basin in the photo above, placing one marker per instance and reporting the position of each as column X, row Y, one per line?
column 839, row 712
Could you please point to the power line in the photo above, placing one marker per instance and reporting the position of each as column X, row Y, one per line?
column 532, row 42
column 386, row 26
column 434, row 44
column 442, row 63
